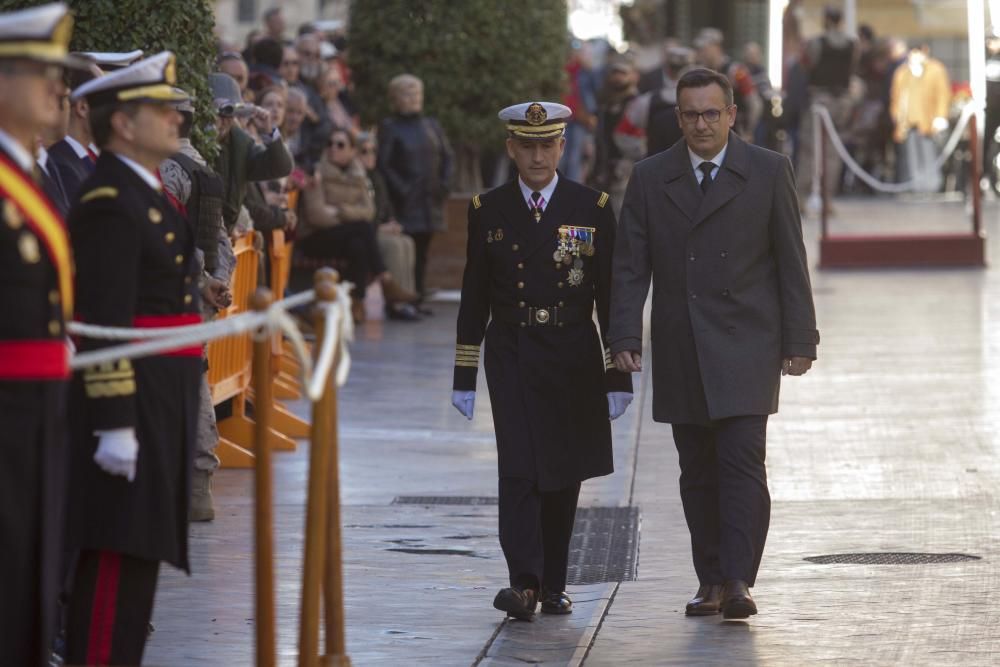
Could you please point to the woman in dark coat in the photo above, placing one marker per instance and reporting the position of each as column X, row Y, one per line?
column 416, row 160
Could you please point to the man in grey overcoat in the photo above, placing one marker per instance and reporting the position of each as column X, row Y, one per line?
column 714, row 222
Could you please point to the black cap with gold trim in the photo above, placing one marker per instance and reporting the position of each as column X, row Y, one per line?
column 40, row 33
column 536, row 120
column 151, row 80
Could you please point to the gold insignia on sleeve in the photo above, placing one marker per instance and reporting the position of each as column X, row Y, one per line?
column 603, row 200
column 535, row 114
column 109, row 380
column 467, row 356
column 12, row 215
column 99, row 193
column 155, row 216
column 27, row 245
column 609, row 364
column 476, row 203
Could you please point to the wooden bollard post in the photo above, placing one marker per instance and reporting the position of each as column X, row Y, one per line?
column 333, row 586
column 263, row 513
column 316, row 503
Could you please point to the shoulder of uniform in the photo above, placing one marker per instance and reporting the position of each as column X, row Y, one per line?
column 602, row 200
column 103, row 192
column 476, row 201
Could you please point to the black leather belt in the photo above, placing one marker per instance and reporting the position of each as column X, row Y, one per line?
column 542, row 316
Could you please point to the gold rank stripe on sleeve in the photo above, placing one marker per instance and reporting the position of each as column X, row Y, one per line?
column 609, row 364
column 110, row 380
column 99, row 193
column 467, row 356
column 603, row 200
column 476, row 202
column 44, row 222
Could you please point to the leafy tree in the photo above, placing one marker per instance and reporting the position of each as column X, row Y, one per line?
column 474, row 56
column 182, row 26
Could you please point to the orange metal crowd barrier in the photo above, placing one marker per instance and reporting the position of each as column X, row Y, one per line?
column 230, row 368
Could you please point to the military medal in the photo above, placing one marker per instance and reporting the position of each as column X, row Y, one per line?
column 575, row 277
column 578, row 263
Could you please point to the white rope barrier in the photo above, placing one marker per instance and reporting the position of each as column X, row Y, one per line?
column 823, row 114
column 338, row 333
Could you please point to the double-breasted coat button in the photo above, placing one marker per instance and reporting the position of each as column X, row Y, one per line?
column 520, row 304
column 520, row 265
column 54, row 297
column 559, row 284
column 725, row 292
column 187, row 298
column 524, row 324
column 155, row 216
column 169, row 236
column 694, row 296
column 55, row 328
column 562, row 304
column 691, row 256
column 723, row 254
column 560, row 324
column 179, row 259
column 520, row 285
column 515, row 247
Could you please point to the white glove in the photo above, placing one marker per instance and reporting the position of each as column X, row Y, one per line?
column 618, row 401
column 117, row 452
column 939, row 124
column 464, row 402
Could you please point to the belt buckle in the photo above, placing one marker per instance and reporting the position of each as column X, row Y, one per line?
column 542, row 316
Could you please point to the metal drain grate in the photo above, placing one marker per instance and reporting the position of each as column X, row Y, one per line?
column 605, row 545
column 444, row 500
column 890, row 558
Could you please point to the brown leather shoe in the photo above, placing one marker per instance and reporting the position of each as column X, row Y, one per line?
column 517, row 602
column 706, row 602
column 736, row 600
column 556, row 603
column 396, row 293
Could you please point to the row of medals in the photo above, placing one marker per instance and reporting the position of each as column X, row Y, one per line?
column 569, row 251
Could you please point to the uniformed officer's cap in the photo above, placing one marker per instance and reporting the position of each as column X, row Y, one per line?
column 536, row 120
column 110, row 61
column 150, row 80
column 185, row 104
column 40, row 33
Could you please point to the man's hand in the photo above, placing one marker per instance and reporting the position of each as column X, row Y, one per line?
column 618, row 402
column 628, row 361
column 291, row 220
column 216, row 293
column 117, row 452
column 262, row 121
column 796, row 365
column 464, row 402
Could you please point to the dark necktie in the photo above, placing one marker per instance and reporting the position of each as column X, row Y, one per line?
column 536, row 208
column 706, row 169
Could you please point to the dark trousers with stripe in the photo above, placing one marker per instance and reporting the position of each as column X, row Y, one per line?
column 110, row 608
column 724, row 492
column 535, row 531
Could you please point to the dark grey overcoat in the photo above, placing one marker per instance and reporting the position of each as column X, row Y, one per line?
column 731, row 292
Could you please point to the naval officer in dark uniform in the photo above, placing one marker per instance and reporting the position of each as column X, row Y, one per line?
column 36, row 299
column 133, row 422
column 538, row 261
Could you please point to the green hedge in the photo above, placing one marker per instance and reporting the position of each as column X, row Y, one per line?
column 474, row 56
column 182, row 26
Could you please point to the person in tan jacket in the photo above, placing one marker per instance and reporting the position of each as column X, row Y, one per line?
column 919, row 101
column 339, row 210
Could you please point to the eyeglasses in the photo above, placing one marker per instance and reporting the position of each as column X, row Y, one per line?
column 710, row 115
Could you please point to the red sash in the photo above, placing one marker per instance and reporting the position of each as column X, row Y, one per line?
column 157, row 321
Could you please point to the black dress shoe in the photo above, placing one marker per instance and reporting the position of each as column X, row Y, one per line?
column 706, row 602
column 517, row 602
column 556, row 603
column 405, row 312
column 736, row 600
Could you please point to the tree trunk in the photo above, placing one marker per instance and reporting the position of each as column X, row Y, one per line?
column 468, row 175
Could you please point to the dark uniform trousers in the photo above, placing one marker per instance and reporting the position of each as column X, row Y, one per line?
column 35, row 300
column 535, row 531
column 531, row 301
column 724, row 492
column 109, row 613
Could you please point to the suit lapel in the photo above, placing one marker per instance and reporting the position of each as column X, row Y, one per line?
column 515, row 211
column 729, row 182
column 556, row 213
column 681, row 185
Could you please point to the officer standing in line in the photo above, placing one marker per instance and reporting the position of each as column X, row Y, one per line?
column 36, row 298
column 133, row 422
column 539, row 257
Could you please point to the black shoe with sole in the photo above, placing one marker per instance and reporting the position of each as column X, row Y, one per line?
column 517, row 602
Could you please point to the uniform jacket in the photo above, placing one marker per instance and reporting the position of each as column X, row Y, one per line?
column 73, row 170
column 731, row 291
column 547, row 368
column 35, row 297
column 136, row 266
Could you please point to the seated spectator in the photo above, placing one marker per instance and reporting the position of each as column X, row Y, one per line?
column 339, row 212
column 305, row 139
column 398, row 249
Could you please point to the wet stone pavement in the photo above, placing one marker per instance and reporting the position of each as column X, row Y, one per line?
column 890, row 444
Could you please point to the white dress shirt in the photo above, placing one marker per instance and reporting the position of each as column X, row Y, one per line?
column 717, row 161
column 145, row 174
column 546, row 192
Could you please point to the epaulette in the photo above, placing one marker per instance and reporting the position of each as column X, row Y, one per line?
column 603, row 200
column 108, row 192
column 476, row 203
